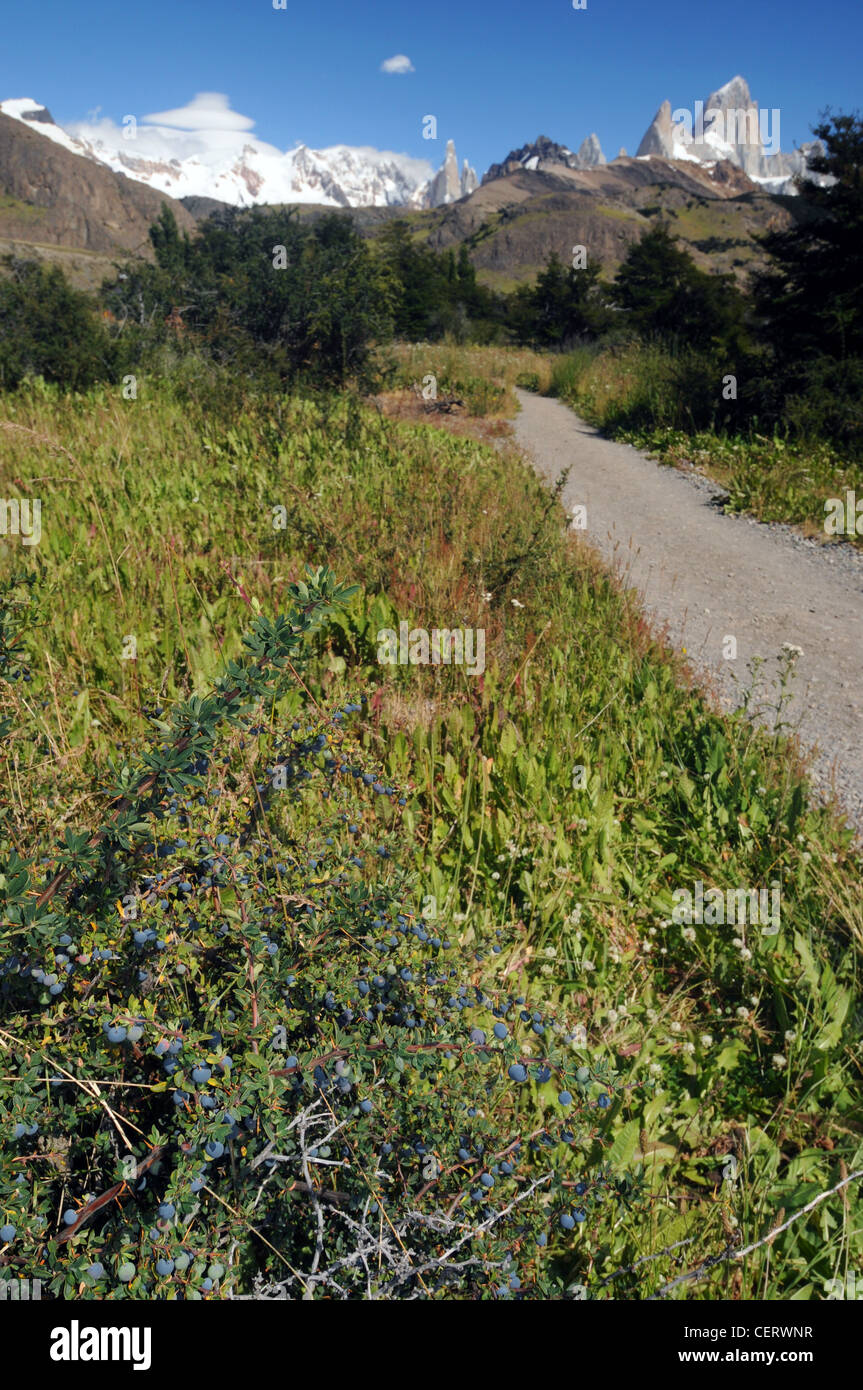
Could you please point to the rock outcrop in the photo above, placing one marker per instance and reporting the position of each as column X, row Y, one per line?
column 63, row 199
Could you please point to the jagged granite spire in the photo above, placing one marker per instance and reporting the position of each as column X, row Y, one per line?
column 589, row 153
column 658, row 139
column 447, row 185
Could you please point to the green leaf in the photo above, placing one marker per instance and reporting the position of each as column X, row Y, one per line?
column 624, row 1146
column 508, row 739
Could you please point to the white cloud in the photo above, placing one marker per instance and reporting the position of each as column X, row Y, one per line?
column 206, row 111
column 398, row 63
column 205, row 128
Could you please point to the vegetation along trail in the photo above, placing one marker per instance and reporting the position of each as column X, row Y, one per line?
column 710, row 577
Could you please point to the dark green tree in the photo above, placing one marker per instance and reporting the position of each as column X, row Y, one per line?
column 172, row 249
column 50, row 330
column 564, row 306
column 810, row 298
column 264, row 293
column 666, row 296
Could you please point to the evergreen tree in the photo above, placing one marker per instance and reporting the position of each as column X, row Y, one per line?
column 564, row 306
column 50, row 330
column 667, row 296
column 810, row 299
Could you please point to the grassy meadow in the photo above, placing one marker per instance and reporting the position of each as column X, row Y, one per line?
column 566, row 792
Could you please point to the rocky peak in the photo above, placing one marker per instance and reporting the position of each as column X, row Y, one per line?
column 39, row 114
column 543, row 153
column 589, row 153
column 658, row 138
column 734, row 96
column 447, row 185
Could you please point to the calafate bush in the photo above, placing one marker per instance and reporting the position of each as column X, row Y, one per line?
column 236, row 1061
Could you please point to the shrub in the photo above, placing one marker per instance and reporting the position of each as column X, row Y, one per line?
column 528, row 381
column 243, row 1063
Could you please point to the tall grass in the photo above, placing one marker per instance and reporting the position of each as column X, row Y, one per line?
column 158, row 522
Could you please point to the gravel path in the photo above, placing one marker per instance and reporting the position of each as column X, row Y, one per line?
column 704, row 576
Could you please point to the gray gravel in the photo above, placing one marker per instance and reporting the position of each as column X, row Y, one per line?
column 704, row 575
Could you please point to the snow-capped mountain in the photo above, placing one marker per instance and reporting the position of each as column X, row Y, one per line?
column 206, row 150
column 728, row 125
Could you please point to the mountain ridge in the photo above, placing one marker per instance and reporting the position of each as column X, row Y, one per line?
column 233, row 166
column 254, row 172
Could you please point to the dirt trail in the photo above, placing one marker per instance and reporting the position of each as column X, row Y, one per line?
column 708, row 576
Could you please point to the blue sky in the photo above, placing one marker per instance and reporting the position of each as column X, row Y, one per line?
column 495, row 73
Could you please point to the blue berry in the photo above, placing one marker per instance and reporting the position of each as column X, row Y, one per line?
column 517, row 1072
